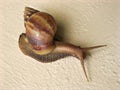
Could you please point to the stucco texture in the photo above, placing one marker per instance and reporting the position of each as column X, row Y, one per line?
column 80, row 22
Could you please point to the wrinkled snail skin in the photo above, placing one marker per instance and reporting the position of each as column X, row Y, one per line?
column 38, row 42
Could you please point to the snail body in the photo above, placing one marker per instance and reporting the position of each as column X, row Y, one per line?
column 38, row 42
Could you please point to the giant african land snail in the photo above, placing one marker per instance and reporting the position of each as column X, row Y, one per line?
column 38, row 42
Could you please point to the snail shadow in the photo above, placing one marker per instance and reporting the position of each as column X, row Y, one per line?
column 60, row 33
column 87, row 61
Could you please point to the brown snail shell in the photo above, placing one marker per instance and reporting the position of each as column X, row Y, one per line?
column 38, row 41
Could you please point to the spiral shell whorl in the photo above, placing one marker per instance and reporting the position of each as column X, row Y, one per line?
column 40, row 29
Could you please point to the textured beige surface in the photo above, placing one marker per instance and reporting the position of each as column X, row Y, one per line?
column 81, row 22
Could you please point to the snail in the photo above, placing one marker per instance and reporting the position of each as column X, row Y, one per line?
column 39, row 42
